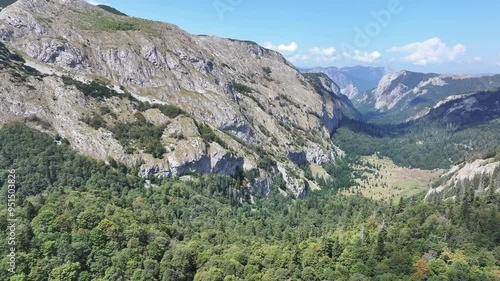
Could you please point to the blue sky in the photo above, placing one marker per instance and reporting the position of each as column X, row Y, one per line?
column 421, row 35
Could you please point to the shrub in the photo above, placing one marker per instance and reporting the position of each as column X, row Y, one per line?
column 242, row 88
column 145, row 135
column 267, row 70
column 95, row 121
column 93, row 89
column 171, row 111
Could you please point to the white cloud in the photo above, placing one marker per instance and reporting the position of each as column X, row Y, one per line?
column 286, row 49
column 323, row 51
column 364, row 56
column 321, row 55
column 429, row 51
column 299, row 58
column 477, row 58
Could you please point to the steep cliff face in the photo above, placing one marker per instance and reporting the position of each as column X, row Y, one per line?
column 206, row 104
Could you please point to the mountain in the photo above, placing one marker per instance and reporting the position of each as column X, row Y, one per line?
column 154, row 97
column 351, row 80
column 403, row 96
column 448, row 134
column 364, row 77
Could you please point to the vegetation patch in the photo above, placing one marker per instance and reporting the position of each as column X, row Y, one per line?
column 242, row 88
column 111, row 24
column 424, row 144
column 208, row 135
column 168, row 110
column 93, row 89
column 140, row 135
column 266, row 161
column 94, row 120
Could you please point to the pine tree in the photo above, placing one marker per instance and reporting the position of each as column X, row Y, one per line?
column 380, row 246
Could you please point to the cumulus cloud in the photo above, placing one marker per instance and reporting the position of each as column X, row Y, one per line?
column 330, row 51
column 429, row 51
column 367, row 57
column 299, row 58
column 320, row 55
column 282, row 48
column 477, row 58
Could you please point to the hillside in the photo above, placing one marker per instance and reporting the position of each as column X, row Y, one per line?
column 323, row 84
column 154, row 97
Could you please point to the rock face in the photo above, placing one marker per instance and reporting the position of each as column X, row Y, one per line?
column 234, row 96
column 482, row 175
column 404, row 96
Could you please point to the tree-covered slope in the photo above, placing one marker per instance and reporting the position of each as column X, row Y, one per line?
column 92, row 221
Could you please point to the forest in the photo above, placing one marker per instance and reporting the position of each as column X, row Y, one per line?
column 84, row 219
column 424, row 144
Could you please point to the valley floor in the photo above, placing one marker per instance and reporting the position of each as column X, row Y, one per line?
column 380, row 179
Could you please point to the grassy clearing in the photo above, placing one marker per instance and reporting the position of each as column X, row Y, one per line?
column 379, row 178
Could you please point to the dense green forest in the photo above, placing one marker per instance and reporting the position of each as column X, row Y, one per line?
column 423, row 144
column 81, row 219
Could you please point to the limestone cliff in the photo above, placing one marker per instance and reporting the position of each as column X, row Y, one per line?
column 207, row 104
column 480, row 175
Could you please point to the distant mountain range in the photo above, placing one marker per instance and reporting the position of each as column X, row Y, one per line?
column 352, row 81
column 399, row 97
column 405, row 95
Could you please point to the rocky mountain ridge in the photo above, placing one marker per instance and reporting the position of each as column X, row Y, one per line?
column 151, row 95
column 405, row 95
